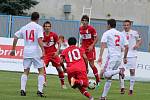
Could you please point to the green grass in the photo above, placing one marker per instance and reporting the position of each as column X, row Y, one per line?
column 10, row 89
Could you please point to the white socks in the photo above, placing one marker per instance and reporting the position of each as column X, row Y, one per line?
column 40, row 83
column 106, row 88
column 23, row 82
column 121, row 82
column 132, row 81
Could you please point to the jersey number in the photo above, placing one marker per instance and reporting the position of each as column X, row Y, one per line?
column 30, row 36
column 74, row 54
column 117, row 40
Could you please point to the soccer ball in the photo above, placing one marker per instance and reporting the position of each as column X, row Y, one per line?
column 92, row 84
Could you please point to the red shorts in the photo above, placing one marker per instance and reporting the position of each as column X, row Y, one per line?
column 54, row 60
column 80, row 75
column 91, row 55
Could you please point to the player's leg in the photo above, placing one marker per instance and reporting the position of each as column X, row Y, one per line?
column 122, row 86
column 106, row 89
column 121, row 79
column 38, row 63
column 81, row 82
column 85, row 92
column 45, row 80
column 111, row 69
column 46, row 63
column 132, row 66
column 132, row 81
column 57, row 63
column 95, row 71
column 26, row 63
column 40, row 82
column 91, row 57
column 79, row 79
column 61, row 77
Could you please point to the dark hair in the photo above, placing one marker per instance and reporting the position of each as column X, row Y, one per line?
column 112, row 23
column 35, row 16
column 72, row 41
column 85, row 17
column 47, row 22
column 128, row 21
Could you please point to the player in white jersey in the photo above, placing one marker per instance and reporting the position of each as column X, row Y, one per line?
column 32, row 33
column 135, row 41
column 114, row 41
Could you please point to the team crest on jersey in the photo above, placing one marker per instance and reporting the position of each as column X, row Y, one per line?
column 51, row 39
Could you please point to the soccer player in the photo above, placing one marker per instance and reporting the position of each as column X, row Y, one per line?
column 32, row 33
column 63, row 43
column 88, row 40
column 51, row 52
column 135, row 41
column 114, row 41
column 76, row 61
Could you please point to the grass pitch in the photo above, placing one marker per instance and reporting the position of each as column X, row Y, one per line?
column 10, row 89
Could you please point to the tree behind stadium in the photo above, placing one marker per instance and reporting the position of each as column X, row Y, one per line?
column 16, row 7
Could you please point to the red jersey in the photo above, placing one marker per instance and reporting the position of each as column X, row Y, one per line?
column 87, row 35
column 74, row 58
column 50, row 42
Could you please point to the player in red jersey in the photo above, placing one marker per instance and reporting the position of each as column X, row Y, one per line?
column 76, row 61
column 88, row 40
column 51, row 52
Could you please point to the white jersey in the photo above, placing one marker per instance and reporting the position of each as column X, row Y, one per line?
column 30, row 33
column 132, row 37
column 115, row 42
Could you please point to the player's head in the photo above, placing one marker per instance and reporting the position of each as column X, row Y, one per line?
column 61, row 38
column 72, row 41
column 85, row 20
column 127, row 25
column 111, row 23
column 35, row 16
column 47, row 26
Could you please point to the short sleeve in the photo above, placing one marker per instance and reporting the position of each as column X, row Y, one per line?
column 94, row 31
column 137, row 36
column 19, row 33
column 40, row 32
column 104, row 37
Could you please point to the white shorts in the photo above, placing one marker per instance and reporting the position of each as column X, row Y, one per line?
column 131, row 63
column 112, row 63
column 37, row 62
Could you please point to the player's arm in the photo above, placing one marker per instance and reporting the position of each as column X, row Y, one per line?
column 125, row 49
column 62, row 61
column 125, row 54
column 93, row 44
column 58, row 48
column 138, row 44
column 12, row 53
column 138, row 41
column 102, row 48
column 57, row 42
column 95, row 40
column 40, row 42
